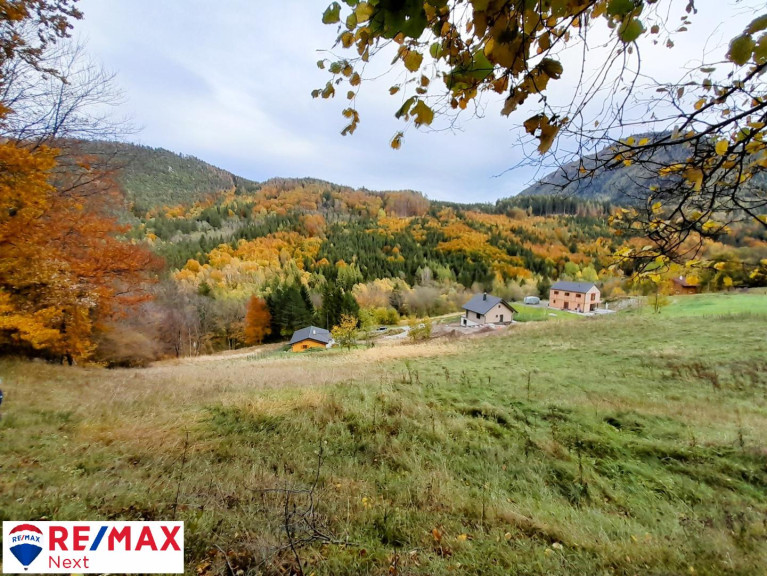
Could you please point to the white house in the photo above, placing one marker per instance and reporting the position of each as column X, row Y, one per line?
column 487, row 309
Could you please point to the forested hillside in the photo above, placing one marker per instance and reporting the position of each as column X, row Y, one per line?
column 246, row 262
column 620, row 183
column 299, row 251
column 152, row 177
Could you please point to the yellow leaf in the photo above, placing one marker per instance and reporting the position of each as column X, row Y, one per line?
column 423, row 114
column 721, row 147
column 695, row 177
column 462, row 537
column 396, row 142
column 700, row 103
column 413, row 60
column 363, row 12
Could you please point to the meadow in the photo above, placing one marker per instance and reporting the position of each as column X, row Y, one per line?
column 632, row 443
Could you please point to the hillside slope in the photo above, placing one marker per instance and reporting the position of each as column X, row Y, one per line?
column 155, row 177
column 440, row 458
column 620, row 185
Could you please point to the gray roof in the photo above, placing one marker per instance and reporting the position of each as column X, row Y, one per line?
column 483, row 303
column 311, row 333
column 579, row 287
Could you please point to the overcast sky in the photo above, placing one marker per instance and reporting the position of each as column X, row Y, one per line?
column 230, row 82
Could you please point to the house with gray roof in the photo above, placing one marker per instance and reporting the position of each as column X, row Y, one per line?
column 310, row 337
column 574, row 296
column 487, row 309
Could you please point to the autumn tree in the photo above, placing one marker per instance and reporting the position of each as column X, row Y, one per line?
column 63, row 265
column 704, row 156
column 345, row 332
column 65, row 269
column 29, row 27
column 257, row 321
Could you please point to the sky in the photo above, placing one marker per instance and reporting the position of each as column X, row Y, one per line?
column 229, row 82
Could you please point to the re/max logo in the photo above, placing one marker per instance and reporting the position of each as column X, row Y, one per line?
column 101, row 547
column 25, row 538
column 82, row 538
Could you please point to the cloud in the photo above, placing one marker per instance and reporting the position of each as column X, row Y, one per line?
column 230, row 82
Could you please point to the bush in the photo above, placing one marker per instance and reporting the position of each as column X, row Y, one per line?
column 386, row 316
column 420, row 329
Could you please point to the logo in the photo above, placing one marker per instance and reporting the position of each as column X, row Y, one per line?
column 26, row 543
column 93, row 547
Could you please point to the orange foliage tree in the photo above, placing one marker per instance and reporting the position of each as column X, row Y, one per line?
column 63, row 266
column 257, row 321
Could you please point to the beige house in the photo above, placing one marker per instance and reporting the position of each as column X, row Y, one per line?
column 487, row 309
column 575, row 296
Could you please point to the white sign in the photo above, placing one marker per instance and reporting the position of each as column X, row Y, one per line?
column 93, row 547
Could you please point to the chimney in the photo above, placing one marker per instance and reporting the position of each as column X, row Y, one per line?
column 484, row 296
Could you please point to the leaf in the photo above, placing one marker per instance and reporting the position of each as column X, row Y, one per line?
column 741, row 49
column 632, row 30
column 462, row 537
column 619, row 7
column 332, row 14
column 695, row 177
column 700, row 103
column 396, row 142
column 757, row 25
column 423, row 114
column 405, row 108
column 721, row 147
column 548, row 134
column 532, row 123
column 363, row 11
column 552, row 68
column 412, row 60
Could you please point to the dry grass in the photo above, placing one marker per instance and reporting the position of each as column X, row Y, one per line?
column 634, row 452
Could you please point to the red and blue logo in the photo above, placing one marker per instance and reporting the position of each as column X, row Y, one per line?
column 26, row 543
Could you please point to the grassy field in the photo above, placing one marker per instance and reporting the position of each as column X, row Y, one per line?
column 709, row 305
column 625, row 444
column 540, row 313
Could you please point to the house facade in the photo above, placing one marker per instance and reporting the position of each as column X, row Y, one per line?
column 487, row 309
column 575, row 296
column 682, row 286
column 310, row 337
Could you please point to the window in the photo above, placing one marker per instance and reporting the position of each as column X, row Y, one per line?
column 477, row 315
column 556, row 292
column 577, row 295
column 593, row 296
column 567, row 293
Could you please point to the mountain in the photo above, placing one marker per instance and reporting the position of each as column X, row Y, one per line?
column 155, row 177
column 620, row 185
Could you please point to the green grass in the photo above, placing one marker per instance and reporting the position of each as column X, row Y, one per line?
column 540, row 313
column 717, row 304
column 626, row 444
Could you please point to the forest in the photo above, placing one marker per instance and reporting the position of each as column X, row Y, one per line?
column 201, row 260
column 286, row 253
